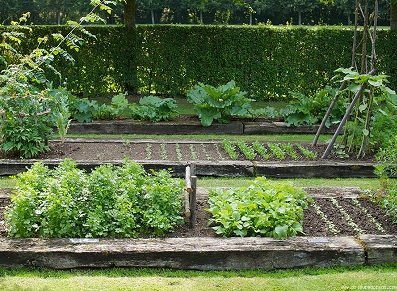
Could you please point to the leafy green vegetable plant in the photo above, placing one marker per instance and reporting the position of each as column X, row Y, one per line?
column 155, row 109
column 29, row 105
column 111, row 201
column 230, row 149
column 247, row 150
column 219, row 104
column 276, row 150
column 289, row 150
column 263, row 208
column 303, row 109
column 261, row 150
column 306, row 152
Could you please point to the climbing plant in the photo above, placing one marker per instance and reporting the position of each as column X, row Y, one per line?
column 29, row 105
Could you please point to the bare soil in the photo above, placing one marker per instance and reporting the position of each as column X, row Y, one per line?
column 172, row 150
column 369, row 218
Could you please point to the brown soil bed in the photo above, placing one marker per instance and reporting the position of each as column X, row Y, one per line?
column 170, row 150
column 368, row 218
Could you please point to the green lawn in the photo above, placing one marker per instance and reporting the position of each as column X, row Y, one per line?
column 353, row 278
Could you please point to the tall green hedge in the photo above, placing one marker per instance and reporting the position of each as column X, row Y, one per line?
column 169, row 59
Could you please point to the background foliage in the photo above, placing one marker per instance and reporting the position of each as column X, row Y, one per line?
column 265, row 61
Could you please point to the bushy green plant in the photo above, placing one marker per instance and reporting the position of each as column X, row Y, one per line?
column 263, row 208
column 111, row 201
column 219, row 104
column 155, row 109
column 303, row 109
column 29, row 104
column 85, row 110
column 386, row 170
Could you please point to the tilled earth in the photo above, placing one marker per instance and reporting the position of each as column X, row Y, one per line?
column 353, row 215
column 174, row 150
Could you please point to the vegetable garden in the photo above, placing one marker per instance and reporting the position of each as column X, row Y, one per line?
column 129, row 201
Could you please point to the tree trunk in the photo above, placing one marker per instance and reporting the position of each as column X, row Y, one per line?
column 129, row 13
column 250, row 18
column 201, row 17
column 152, row 14
column 129, row 21
column 393, row 15
column 299, row 18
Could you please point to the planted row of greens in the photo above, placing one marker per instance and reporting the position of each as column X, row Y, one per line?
column 279, row 151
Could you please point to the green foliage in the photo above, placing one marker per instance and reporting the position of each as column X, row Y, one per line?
column 247, row 150
column 261, row 150
column 376, row 96
column 111, row 201
column 263, row 60
column 311, row 110
column 386, row 169
column 30, row 105
column 219, row 104
column 263, row 208
column 155, row 109
column 230, row 149
column 276, row 151
column 85, row 110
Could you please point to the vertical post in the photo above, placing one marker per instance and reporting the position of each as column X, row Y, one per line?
column 193, row 202
column 193, row 194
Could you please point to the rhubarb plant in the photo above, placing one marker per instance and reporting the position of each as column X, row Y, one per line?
column 219, row 103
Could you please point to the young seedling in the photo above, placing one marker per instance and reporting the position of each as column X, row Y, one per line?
column 230, row 149
column 261, row 150
column 247, row 151
column 276, row 151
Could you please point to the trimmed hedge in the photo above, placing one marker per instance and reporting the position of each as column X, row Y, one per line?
column 266, row 61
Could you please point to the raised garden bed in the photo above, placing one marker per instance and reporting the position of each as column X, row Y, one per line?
column 365, row 236
column 189, row 124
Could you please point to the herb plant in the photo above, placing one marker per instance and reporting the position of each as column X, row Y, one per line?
column 219, row 104
column 263, row 208
column 111, row 201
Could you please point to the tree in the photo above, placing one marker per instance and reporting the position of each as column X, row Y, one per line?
column 301, row 6
column 129, row 13
column 196, row 5
column 393, row 15
column 150, row 5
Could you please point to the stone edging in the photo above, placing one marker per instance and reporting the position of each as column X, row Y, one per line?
column 199, row 253
column 313, row 169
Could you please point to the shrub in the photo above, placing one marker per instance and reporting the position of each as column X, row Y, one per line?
column 111, row 201
column 264, row 208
